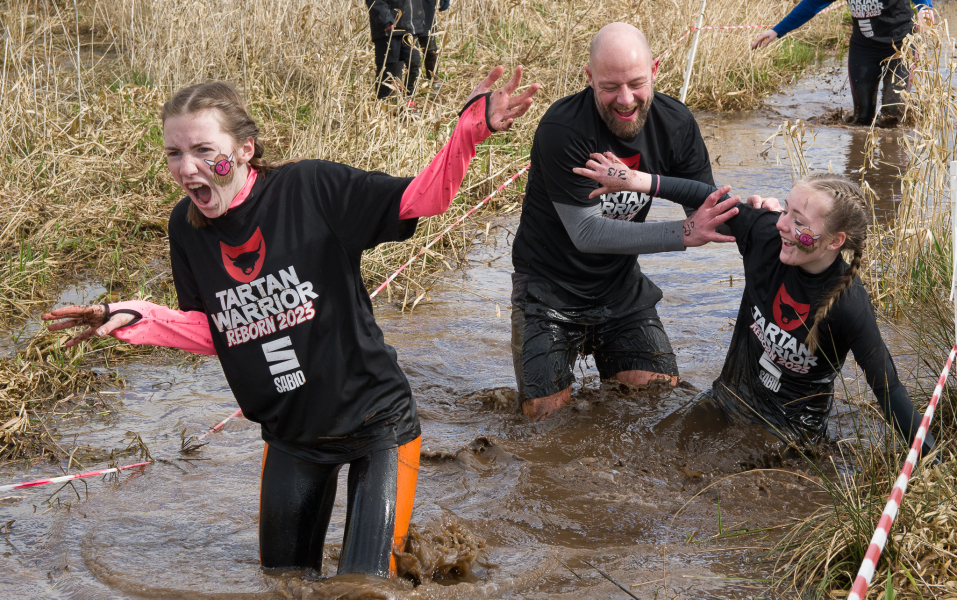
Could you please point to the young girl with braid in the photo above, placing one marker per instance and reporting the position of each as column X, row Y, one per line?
column 803, row 306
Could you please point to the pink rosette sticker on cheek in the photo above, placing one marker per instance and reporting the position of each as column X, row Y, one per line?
column 222, row 168
column 806, row 238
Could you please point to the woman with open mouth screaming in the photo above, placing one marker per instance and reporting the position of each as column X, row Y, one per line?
column 265, row 259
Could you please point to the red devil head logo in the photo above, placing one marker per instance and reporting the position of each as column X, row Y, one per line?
column 632, row 161
column 788, row 313
column 243, row 262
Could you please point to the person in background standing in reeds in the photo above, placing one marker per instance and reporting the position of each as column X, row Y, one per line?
column 396, row 26
column 265, row 260
column 802, row 310
column 429, row 45
column 878, row 30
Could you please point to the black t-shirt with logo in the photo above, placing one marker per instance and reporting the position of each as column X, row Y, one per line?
column 768, row 366
column 572, row 129
column 291, row 320
column 881, row 21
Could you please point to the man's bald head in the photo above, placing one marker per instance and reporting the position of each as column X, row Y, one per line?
column 616, row 41
column 622, row 74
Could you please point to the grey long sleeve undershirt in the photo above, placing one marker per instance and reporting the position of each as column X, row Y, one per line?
column 593, row 233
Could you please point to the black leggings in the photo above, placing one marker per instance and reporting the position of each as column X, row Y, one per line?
column 431, row 50
column 394, row 55
column 296, row 502
column 866, row 69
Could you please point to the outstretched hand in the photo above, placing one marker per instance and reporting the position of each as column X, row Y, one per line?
column 503, row 108
column 613, row 175
column 764, row 39
column 91, row 316
column 699, row 228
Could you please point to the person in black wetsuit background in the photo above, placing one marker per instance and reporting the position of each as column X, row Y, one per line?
column 396, row 26
column 802, row 310
column 879, row 28
column 428, row 43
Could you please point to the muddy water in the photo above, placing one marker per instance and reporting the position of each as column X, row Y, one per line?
column 601, row 483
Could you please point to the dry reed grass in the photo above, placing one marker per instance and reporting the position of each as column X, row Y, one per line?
column 910, row 256
column 35, row 384
column 84, row 192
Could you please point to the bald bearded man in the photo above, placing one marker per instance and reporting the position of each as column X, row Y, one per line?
column 577, row 285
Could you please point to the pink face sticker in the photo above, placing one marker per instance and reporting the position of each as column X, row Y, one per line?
column 222, row 168
column 805, row 236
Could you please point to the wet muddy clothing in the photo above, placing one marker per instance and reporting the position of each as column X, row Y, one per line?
column 278, row 278
column 878, row 26
column 273, row 287
column 298, row 496
column 546, row 342
column 578, row 287
column 868, row 71
column 769, row 375
column 571, row 130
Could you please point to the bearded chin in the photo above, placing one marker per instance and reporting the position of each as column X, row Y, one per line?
column 625, row 129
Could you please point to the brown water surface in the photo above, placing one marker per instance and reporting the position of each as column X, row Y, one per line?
column 597, row 484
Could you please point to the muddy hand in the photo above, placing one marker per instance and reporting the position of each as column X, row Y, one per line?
column 699, row 228
column 611, row 174
column 503, row 108
column 772, row 204
column 91, row 316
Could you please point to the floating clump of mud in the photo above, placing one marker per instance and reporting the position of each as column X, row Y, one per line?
column 499, row 399
column 443, row 550
column 477, row 446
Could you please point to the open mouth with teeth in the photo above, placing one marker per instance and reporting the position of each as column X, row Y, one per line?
column 787, row 244
column 625, row 114
column 201, row 193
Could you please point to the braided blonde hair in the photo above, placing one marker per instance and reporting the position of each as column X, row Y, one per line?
column 848, row 215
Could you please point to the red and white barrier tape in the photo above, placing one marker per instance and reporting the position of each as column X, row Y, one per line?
column 692, row 29
column 222, row 424
column 866, row 572
column 36, row 482
column 446, row 230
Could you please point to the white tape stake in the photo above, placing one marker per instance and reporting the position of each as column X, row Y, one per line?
column 692, row 52
column 238, row 413
column 953, row 239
